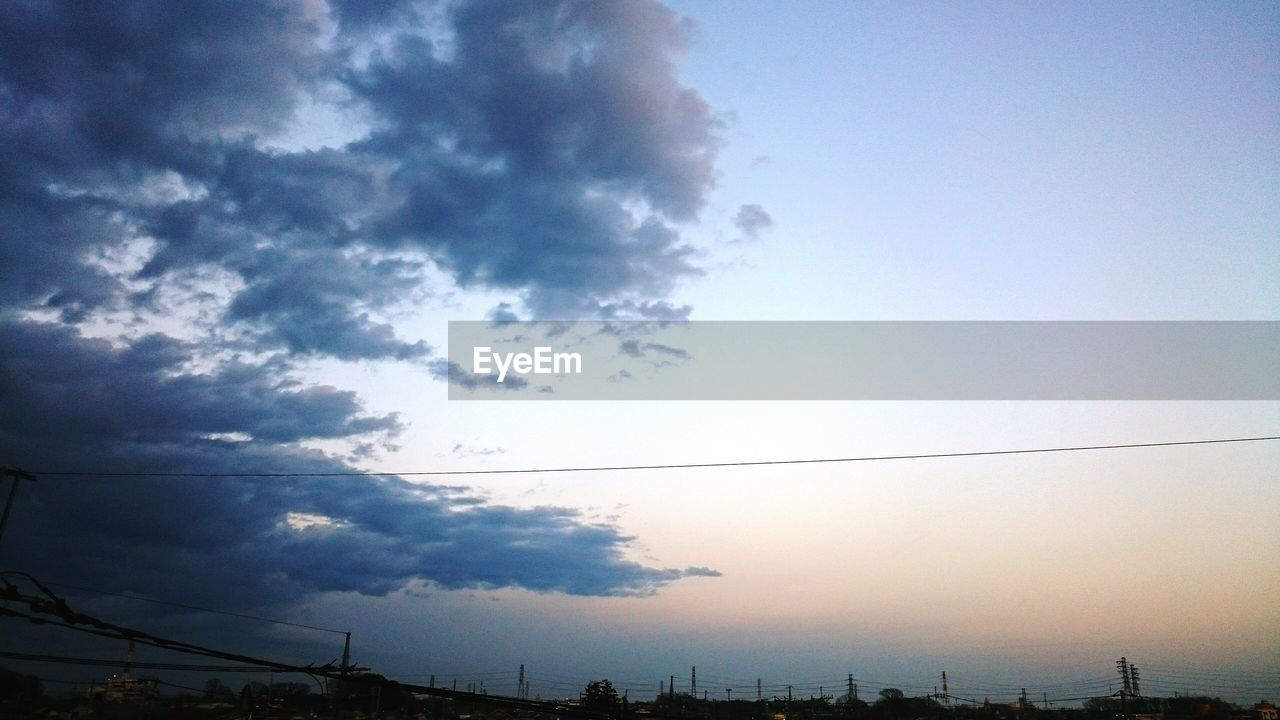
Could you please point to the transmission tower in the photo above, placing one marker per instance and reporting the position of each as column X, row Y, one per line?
column 1126, row 682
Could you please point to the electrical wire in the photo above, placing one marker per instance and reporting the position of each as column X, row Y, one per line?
column 49, row 609
column 97, row 662
column 663, row 466
column 197, row 608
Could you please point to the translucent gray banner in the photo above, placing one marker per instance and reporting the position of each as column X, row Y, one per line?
column 821, row 360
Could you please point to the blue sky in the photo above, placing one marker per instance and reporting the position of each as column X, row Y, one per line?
column 233, row 238
column 1000, row 160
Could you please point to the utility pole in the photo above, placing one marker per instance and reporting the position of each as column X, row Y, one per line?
column 522, row 691
column 344, row 688
column 693, row 682
column 728, row 694
column 346, row 654
column 849, row 695
column 671, row 686
column 16, row 475
column 662, row 688
column 1133, row 679
column 946, row 694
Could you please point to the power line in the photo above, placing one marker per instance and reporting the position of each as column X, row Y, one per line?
column 1214, row 673
column 180, row 687
column 48, row 604
column 48, row 609
column 137, row 664
column 663, row 466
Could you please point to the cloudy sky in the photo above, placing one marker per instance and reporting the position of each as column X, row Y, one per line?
column 232, row 236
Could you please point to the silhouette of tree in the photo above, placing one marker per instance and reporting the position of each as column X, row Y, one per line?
column 252, row 690
column 599, row 694
column 892, row 703
column 215, row 688
column 17, row 685
column 370, row 690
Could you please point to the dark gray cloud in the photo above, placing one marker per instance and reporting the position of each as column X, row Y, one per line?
column 452, row 372
column 634, row 348
column 250, row 543
column 75, row 404
column 551, row 152
column 61, row 389
column 752, row 219
column 543, row 149
column 559, row 118
column 310, row 317
column 668, row 350
column 630, row 348
column 502, row 313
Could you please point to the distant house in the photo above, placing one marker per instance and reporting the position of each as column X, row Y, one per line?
column 1265, row 711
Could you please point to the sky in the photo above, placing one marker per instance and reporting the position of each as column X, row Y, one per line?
column 233, row 237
